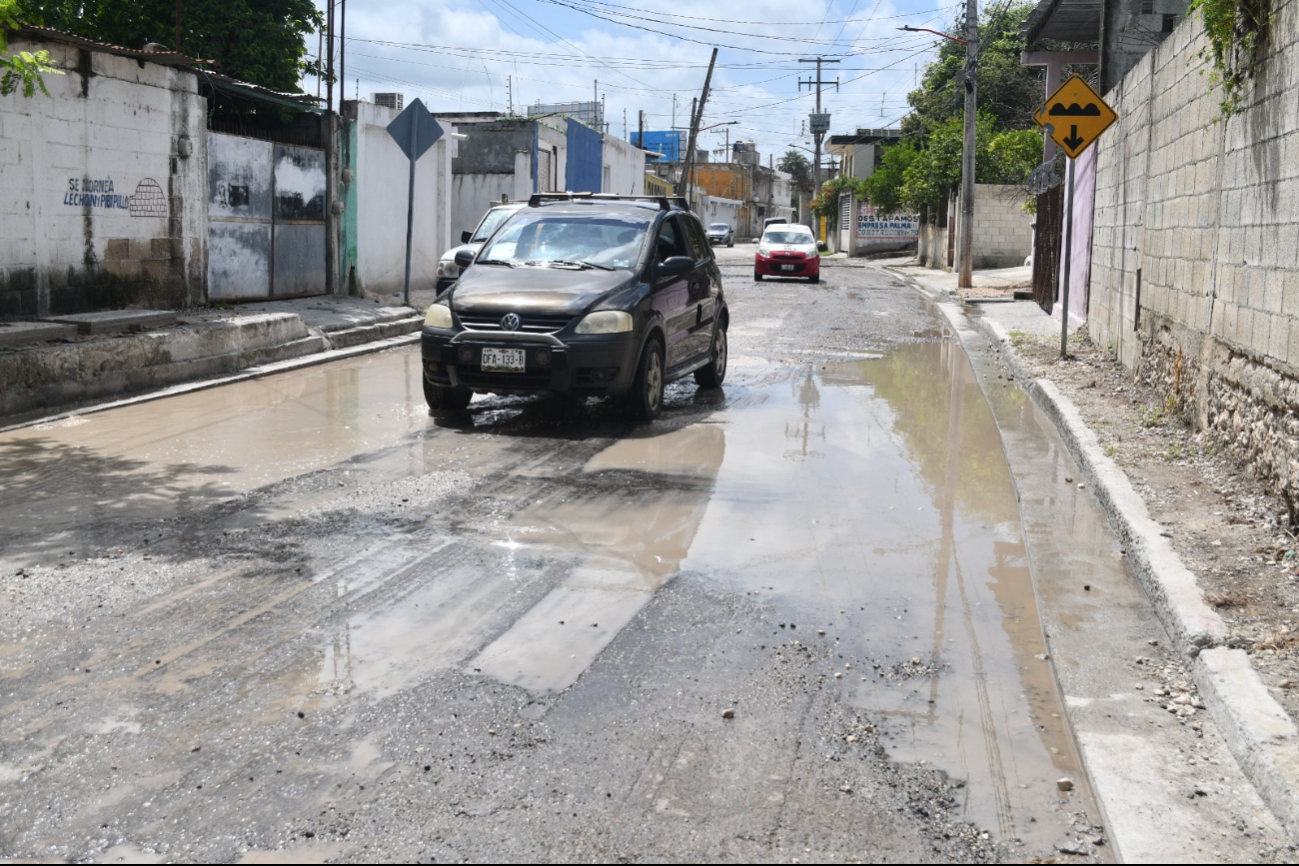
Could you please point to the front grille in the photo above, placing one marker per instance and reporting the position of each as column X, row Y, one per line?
column 531, row 323
column 504, row 381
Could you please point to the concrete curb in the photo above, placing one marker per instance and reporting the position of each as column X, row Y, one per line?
column 289, row 357
column 1261, row 736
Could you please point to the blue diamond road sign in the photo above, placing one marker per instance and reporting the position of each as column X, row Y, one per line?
column 415, row 130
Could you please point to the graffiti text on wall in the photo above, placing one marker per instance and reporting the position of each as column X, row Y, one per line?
column 85, row 192
column 893, row 227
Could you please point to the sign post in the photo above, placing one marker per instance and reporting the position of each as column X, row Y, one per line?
column 1074, row 117
column 415, row 130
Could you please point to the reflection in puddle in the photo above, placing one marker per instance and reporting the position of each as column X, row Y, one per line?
column 874, row 497
column 70, row 486
column 633, row 531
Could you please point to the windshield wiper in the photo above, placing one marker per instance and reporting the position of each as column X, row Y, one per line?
column 564, row 263
column 494, row 262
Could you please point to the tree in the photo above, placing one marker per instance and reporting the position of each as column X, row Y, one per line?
column 23, row 69
column 884, row 185
column 796, row 165
column 259, row 41
column 1009, row 92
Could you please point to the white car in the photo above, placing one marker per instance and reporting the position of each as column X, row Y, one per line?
column 787, row 251
column 448, row 271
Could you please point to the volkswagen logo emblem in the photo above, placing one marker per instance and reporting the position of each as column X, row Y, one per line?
column 511, row 322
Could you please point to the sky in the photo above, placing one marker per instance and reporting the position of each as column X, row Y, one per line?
column 480, row 55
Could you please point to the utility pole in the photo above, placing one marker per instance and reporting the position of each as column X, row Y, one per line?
column 697, row 116
column 966, row 252
column 640, row 125
column 819, row 123
column 178, row 2
column 509, row 95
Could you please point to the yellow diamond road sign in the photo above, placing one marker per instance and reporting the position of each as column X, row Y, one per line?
column 1075, row 116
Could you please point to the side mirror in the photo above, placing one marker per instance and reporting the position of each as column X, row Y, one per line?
column 464, row 259
column 465, row 236
column 675, row 266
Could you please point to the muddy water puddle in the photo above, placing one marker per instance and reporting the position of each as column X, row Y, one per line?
column 871, row 503
column 867, row 501
column 72, row 483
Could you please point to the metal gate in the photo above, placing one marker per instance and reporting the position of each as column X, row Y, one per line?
column 266, row 219
column 1046, row 247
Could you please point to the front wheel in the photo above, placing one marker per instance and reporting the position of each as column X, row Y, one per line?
column 444, row 399
column 645, row 400
column 815, row 278
column 757, row 277
column 714, row 374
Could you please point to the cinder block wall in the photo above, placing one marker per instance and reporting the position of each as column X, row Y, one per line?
column 101, row 210
column 1003, row 230
column 1195, row 253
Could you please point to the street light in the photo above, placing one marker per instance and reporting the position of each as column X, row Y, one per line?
column 935, row 32
column 966, row 226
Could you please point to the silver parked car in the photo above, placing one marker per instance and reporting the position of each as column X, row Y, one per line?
column 721, row 233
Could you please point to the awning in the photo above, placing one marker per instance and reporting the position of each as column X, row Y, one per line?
column 1065, row 21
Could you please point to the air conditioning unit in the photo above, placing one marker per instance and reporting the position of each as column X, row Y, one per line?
column 390, row 100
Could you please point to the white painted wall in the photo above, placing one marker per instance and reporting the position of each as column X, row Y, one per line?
column 95, row 212
column 382, row 183
column 718, row 210
column 625, row 164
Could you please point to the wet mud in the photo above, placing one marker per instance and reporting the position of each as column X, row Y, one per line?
column 298, row 618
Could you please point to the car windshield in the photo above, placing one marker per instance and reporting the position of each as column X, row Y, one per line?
column 719, row 227
column 540, row 239
column 787, row 236
column 490, row 223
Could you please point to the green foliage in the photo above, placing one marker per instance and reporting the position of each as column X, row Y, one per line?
column 259, row 41
column 884, row 185
column 24, row 69
column 1008, row 91
column 916, row 178
column 797, row 165
column 1237, row 31
column 826, row 202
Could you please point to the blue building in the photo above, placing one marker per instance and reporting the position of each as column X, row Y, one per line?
column 670, row 143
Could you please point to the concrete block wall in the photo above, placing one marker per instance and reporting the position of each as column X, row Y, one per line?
column 1195, row 278
column 101, row 209
column 1003, row 230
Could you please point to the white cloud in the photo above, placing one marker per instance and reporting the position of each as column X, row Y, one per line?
column 554, row 54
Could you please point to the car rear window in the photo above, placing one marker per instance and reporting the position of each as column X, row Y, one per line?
column 537, row 238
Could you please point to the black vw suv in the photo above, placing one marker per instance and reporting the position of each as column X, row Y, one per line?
column 581, row 294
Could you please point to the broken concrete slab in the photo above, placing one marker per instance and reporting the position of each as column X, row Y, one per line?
column 117, row 321
column 17, row 333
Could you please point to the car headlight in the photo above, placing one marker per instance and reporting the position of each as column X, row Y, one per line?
column 438, row 316
column 764, row 250
column 449, row 269
column 605, row 322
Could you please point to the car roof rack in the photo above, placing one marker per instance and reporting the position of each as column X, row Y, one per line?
column 665, row 202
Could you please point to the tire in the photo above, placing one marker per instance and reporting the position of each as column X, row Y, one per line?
column 815, row 278
column 441, row 399
column 757, row 277
column 645, row 399
column 714, row 374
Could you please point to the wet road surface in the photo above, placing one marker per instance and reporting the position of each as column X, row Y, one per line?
column 297, row 618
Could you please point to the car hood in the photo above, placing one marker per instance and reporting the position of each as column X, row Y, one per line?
column 496, row 288
column 807, row 249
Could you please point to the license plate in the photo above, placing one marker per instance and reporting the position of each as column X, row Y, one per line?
column 503, row 360
column 787, row 267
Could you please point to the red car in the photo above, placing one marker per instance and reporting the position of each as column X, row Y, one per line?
column 787, row 251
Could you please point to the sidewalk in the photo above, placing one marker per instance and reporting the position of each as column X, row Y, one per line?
column 203, row 346
column 1200, row 535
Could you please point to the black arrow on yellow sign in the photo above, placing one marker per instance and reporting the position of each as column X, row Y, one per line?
column 1074, row 138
